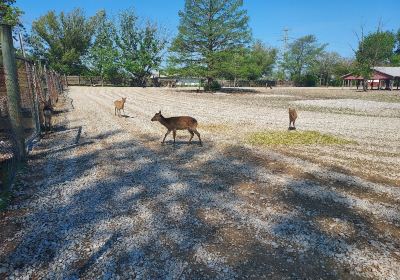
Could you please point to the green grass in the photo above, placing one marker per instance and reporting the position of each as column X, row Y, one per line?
column 290, row 138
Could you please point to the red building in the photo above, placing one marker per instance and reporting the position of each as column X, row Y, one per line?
column 382, row 78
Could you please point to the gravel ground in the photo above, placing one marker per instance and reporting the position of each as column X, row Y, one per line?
column 100, row 198
column 361, row 106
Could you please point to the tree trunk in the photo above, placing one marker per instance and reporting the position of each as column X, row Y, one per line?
column 365, row 85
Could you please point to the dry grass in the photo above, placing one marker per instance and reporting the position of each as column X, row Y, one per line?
column 289, row 138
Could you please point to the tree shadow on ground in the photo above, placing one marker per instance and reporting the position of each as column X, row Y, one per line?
column 136, row 208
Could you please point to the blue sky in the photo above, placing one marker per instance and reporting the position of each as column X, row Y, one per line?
column 333, row 22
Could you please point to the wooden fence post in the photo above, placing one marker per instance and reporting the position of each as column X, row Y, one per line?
column 29, row 76
column 13, row 94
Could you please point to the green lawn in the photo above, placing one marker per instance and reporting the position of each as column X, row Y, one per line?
column 289, row 138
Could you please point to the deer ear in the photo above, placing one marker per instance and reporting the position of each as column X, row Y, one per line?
column 159, row 112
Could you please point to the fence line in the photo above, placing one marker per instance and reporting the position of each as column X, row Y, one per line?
column 37, row 86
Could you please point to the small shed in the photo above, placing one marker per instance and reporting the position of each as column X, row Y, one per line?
column 382, row 78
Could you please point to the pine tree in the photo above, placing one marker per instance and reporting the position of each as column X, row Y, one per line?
column 208, row 28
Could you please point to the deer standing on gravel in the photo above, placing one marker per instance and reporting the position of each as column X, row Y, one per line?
column 119, row 105
column 178, row 123
column 47, row 113
column 292, row 118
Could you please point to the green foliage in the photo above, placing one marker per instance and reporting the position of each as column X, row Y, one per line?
column 374, row 49
column 264, row 58
column 102, row 58
column 207, row 31
column 247, row 63
column 62, row 40
column 307, row 80
column 290, row 138
column 301, row 57
column 213, row 86
column 330, row 67
column 140, row 47
column 9, row 14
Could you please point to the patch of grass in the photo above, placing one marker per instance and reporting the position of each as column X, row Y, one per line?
column 289, row 138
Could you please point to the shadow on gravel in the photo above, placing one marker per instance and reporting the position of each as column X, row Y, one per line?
column 136, row 208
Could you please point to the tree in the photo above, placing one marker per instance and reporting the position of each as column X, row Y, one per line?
column 264, row 58
column 301, row 58
column 140, row 47
column 9, row 14
column 62, row 40
column 330, row 66
column 102, row 58
column 396, row 56
column 208, row 29
column 247, row 63
column 374, row 49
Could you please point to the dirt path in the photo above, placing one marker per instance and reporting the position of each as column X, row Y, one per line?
column 116, row 202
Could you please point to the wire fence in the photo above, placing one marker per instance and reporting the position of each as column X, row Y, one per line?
column 38, row 87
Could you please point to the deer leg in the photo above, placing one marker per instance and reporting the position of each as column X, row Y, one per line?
column 174, row 134
column 198, row 135
column 191, row 136
column 115, row 111
column 166, row 134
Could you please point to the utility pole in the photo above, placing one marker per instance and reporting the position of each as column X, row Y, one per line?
column 13, row 94
column 285, row 39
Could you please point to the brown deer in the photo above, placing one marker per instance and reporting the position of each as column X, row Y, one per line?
column 119, row 105
column 47, row 113
column 178, row 123
column 292, row 118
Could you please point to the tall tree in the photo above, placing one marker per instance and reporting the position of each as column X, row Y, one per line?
column 329, row 66
column 207, row 29
column 247, row 63
column 9, row 14
column 301, row 57
column 62, row 40
column 264, row 58
column 102, row 58
column 374, row 49
column 141, row 47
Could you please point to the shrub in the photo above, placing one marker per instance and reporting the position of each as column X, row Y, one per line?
column 213, row 86
column 308, row 80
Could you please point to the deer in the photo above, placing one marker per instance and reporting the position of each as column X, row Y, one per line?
column 292, row 118
column 119, row 105
column 47, row 113
column 178, row 123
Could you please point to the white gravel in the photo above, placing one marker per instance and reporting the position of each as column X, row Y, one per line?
column 118, row 205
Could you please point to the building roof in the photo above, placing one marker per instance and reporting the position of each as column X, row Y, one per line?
column 380, row 73
column 390, row 71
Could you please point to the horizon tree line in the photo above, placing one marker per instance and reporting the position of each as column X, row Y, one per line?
column 214, row 41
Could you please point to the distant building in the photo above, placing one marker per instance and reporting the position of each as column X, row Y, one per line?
column 382, row 78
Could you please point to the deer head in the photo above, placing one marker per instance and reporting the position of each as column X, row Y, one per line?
column 156, row 117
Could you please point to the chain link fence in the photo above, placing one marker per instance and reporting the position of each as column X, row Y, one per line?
column 38, row 87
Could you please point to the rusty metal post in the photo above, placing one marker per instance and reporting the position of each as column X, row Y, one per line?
column 13, row 93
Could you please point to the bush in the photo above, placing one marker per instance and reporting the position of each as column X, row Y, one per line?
column 308, row 80
column 213, row 86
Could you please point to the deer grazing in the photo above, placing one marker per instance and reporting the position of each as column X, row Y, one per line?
column 119, row 105
column 292, row 118
column 178, row 123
